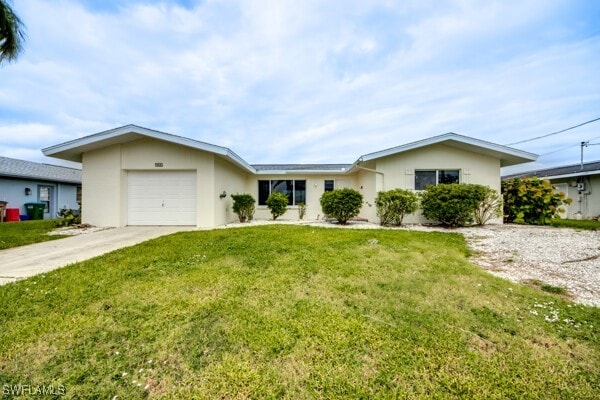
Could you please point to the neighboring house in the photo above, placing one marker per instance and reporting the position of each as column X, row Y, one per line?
column 138, row 176
column 579, row 183
column 30, row 182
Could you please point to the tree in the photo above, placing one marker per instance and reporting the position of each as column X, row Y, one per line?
column 12, row 33
column 341, row 204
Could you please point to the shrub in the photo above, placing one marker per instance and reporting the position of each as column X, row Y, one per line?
column 301, row 210
column 394, row 204
column 452, row 204
column 243, row 206
column 531, row 200
column 489, row 207
column 341, row 204
column 68, row 217
column 277, row 203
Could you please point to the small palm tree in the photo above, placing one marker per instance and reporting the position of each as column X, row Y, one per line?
column 12, row 33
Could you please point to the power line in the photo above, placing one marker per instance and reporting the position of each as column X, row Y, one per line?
column 556, row 151
column 555, row 133
column 568, row 147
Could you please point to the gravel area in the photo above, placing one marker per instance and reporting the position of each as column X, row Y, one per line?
column 565, row 258
column 76, row 230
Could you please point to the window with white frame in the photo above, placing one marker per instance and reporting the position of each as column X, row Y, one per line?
column 295, row 190
column 424, row 178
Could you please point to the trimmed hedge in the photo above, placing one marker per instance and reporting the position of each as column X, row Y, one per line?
column 341, row 204
column 277, row 203
column 243, row 206
column 393, row 205
column 452, row 204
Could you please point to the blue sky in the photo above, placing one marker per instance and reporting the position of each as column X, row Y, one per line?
column 307, row 81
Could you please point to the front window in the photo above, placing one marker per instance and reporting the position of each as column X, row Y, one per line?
column 329, row 185
column 435, row 177
column 295, row 190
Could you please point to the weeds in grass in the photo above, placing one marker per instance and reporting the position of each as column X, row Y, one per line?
column 294, row 312
column 554, row 289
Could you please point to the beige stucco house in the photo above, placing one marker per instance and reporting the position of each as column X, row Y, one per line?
column 138, row 176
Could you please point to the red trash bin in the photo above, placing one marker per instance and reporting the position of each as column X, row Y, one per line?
column 12, row 215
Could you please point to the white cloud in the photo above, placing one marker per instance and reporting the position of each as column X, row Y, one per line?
column 306, row 81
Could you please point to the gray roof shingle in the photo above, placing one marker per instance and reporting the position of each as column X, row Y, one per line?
column 558, row 171
column 13, row 168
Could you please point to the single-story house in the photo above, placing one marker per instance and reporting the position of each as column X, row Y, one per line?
column 139, row 176
column 579, row 182
column 24, row 182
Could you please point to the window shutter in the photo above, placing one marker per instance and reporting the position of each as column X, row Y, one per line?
column 409, row 182
column 466, row 176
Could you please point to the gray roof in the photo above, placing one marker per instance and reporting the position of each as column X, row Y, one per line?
column 302, row 167
column 13, row 168
column 591, row 168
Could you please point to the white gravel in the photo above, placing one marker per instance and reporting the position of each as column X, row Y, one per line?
column 566, row 258
column 76, row 230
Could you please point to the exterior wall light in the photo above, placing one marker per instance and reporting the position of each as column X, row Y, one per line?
column 223, row 195
column 27, row 192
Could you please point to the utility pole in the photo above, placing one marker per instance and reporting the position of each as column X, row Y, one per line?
column 583, row 144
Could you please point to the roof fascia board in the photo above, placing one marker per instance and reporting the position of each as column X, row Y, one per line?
column 571, row 175
column 301, row 171
column 227, row 153
column 444, row 138
column 114, row 133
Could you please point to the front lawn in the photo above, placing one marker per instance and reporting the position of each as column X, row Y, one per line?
column 294, row 312
column 14, row 234
column 576, row 224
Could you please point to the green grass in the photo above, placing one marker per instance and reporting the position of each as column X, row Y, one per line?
column 576, row 224
column 14, row 234
column 295, row 312
column 554, row 289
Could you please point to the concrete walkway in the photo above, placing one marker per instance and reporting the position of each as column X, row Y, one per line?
column 25, row 261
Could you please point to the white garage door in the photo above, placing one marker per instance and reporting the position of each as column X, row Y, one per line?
column 161, row 197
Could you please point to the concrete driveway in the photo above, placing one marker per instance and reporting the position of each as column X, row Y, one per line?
column 25, row 261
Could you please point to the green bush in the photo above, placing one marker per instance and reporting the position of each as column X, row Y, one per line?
column 393, row 205
column 341, row 204
column 452, row 204
column 68, row 217
column 277, row 203
column 243, row 206
column 490, row 206
column 532, row 201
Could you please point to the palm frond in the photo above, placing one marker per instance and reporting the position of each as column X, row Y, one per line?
column 12, row 33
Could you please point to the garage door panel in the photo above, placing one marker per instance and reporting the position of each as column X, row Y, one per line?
column 162, row 198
